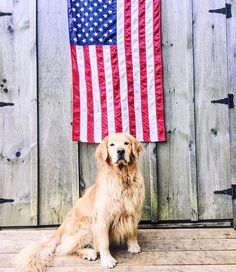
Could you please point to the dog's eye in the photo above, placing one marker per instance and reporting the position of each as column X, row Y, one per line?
column 126, row 143
column 112, row 144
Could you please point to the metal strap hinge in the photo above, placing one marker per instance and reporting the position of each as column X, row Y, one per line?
column 4, row 104
column 230, row 191
column 227, row 101
column 226, row 10
column 4, row 200
column 5, row 14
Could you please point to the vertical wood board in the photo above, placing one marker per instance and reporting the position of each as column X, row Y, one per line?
column 59, row 179
column 18, row 123
column 177, row 192
column 231, row 54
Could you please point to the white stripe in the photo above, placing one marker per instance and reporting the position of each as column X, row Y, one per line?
column 122, row 66
column 150, row 71
column 109, row 89
column 96, row 95
column 83, row 94
column 136, row 69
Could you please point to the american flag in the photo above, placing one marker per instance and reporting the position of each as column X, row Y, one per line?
column 117, row 69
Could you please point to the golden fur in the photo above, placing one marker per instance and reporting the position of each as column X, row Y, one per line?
column 109, row 211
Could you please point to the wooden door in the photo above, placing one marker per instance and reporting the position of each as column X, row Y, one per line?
column 195, row 160
column 18, row 120
column 212, row 120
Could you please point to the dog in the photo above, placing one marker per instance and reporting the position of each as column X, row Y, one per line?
column 108, row 212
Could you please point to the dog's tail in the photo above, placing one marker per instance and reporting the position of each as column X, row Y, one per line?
column 36, row 257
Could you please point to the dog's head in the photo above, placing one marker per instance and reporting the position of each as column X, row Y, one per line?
column 118, row 149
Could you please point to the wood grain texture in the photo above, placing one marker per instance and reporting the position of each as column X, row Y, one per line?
column 18, row 123
column 176, row 158
column 59, row 179
column 176, row 249
column 152, row 258
column 147, row 245
column 231, row 54
column 147, row 234
column 143, row 268
column 212, row 120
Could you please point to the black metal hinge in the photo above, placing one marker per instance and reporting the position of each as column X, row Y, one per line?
column 4, row 104
column 230, row 191
column 3, row 200
column 226, row 10
column 5, row 14
column 227, row 101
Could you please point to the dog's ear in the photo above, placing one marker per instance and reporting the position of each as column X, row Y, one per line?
column 137, row 147
column 101, row 153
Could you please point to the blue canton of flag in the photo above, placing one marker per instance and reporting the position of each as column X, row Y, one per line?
column 92, row 22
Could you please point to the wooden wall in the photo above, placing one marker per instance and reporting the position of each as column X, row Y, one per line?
column 181, row 175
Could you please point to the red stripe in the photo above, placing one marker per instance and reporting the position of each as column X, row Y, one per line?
column 143, row 72
column 89, row 88
column 116, row 88
column 129, row 67
column 76, row 95
column 102, row 87
column 158, row 69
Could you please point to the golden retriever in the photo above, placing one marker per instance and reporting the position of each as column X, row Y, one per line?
column 108, row 212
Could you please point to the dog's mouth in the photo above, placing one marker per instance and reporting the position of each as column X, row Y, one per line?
column 121, row 161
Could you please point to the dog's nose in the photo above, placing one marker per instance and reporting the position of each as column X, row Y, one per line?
column 120, row 151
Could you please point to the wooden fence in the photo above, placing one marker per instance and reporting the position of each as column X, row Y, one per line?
column 44, row 172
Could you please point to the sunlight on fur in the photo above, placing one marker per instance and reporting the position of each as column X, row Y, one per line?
column 108, row 212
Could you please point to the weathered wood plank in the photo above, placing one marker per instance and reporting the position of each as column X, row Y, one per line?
column 231, row 49
column 59, row 180
column 212, row 120
column 176, row 158
column 143, row 268
column 18, row 123
column 160, row 234
column 152, row 258
column 147, row 245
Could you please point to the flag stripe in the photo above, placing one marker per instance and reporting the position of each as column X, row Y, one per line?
column 102, row 87
column 158, row 69
column 150, row 70
column 143, row 71
column 89, row 88
column 136, row 69
column 129, row 66
column 116, row 88
column 76, row 95
column 96, row 94
column 122, row 66
column 109, row 89
column 83, row 95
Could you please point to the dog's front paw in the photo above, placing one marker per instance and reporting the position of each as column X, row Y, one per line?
column 108, row 261
column 88, row 253
column 134, row 248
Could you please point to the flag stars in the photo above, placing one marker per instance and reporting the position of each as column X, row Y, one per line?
column 93, row 22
